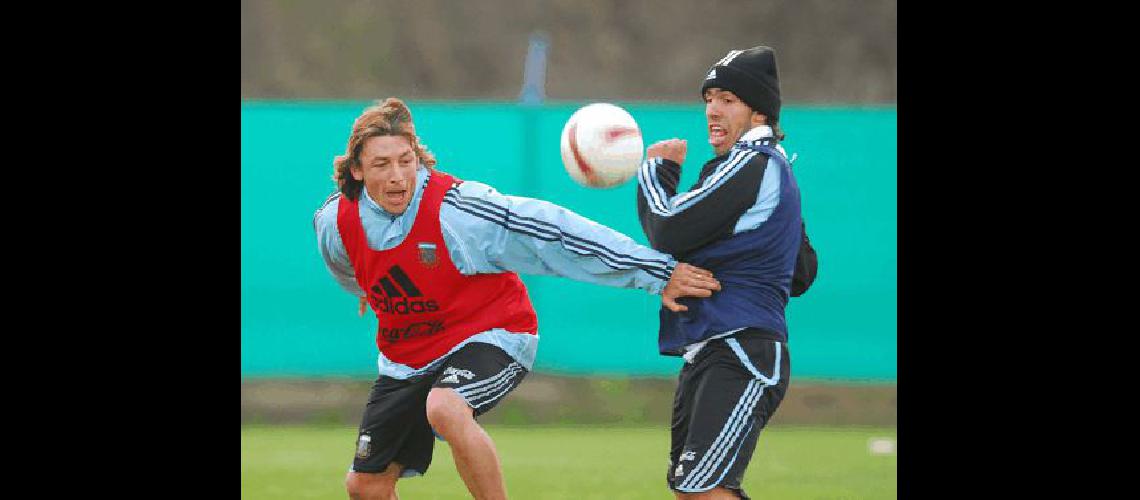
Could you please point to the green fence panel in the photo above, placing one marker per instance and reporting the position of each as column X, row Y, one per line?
column 296, row 321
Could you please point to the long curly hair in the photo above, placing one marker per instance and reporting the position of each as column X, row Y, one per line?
column 388, row 117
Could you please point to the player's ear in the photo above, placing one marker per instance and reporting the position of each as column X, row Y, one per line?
column 357, row 171
column 758, row 119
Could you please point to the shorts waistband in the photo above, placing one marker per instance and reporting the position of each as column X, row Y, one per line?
column 759, row 333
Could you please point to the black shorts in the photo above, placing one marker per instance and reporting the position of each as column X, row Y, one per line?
column 395, row 426
column 724, row 397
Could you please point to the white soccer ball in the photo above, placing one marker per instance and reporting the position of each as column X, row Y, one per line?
column 601, row 146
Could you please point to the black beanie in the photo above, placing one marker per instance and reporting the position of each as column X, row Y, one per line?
column 751, row 75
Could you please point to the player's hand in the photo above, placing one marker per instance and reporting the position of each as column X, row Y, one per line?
column 363, row 305
column 670, row 149
column 688, row 281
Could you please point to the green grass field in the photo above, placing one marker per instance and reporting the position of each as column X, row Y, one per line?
column 284, row 462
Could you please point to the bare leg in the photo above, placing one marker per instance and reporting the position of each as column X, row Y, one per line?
column 374, row 485
column 471, row 447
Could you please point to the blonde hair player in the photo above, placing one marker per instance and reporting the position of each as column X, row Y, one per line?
column 436, row 257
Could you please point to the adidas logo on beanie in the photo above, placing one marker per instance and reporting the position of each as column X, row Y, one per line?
column 751, row 75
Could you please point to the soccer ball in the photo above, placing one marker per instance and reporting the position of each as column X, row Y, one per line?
column 601, row 146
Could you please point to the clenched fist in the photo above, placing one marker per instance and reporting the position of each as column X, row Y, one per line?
column 670, row 149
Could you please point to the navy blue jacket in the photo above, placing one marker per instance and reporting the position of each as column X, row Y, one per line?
column 741, row 221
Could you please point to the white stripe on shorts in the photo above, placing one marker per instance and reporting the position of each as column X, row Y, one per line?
column 473, row 392
column 735, row 428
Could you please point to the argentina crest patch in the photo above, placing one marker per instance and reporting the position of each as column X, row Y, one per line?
column 428, row 256
column 363, row 446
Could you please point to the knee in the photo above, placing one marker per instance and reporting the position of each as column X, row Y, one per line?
column 365, row 486
column 445, row 408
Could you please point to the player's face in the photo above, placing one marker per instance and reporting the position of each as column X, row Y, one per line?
column 728, row 117
column 388, row 168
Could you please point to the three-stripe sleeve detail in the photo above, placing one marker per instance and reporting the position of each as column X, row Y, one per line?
column 548, row 231
column 651, row 188
column 659, row 202
column 729, row 167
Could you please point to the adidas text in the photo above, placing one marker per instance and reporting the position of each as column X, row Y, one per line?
column 404, row 306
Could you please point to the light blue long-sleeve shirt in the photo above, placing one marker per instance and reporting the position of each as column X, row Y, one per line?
column 489, row 232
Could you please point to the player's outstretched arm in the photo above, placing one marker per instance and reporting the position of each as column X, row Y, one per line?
column 489, row 232
column 688, row 281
